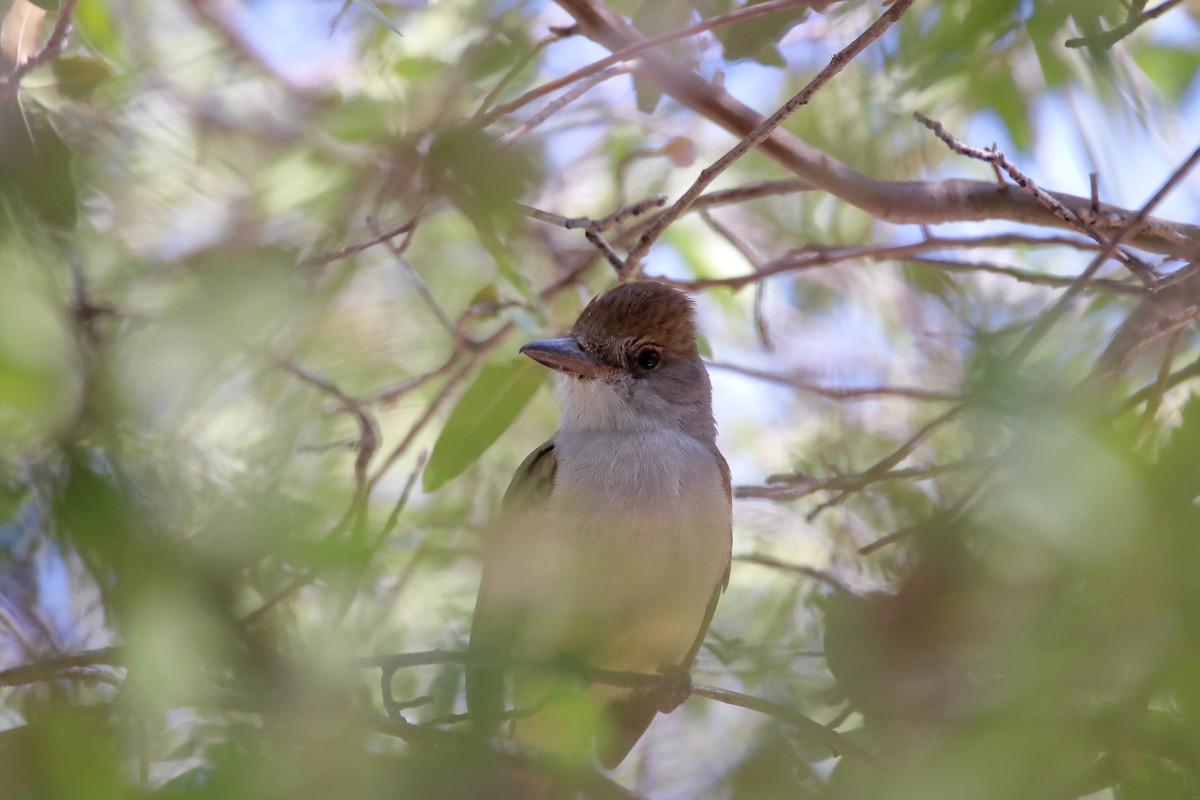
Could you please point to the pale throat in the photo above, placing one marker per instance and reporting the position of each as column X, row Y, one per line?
column 593, row 405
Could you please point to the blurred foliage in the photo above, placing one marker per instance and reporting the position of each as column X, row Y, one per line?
column 258, row 258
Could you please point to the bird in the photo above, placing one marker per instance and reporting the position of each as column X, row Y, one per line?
column 614, row 539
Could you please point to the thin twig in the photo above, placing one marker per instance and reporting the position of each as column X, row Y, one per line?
column 53, row 48
column 760, row 134
column 397, row 251
column 815, row 256
column 821, row 575
column 625, row 54
column 944, row 517
column 1107, row 39
column 561, row 102
column 838, row 393
column 1160, row 382
column 426, row 415
column 592, row 783
column 368, row 436
column 1027, row 276
column 747, row 252
column 1048, row 320
column 806, row 726
column 51, row 668
column 1049, row 202
column 795, row 486
column 354, row 249
column 391, row 394
column 556, row 35
column 592, row 228
column 610, row 255
column 1177, row 377
column 598, row 225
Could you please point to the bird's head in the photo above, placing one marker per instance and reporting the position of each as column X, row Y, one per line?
column 631, row 363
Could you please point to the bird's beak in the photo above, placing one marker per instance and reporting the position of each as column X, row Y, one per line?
column 564, row 355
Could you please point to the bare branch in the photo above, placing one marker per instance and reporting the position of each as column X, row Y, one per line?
column 1051, row 317
column 52, row 49
column 598, row 225
column 827, row 578
column 797, row 485
column 761, row 132
column 354, row 249
column 944, row 517
column 52, row 668
column 1000, row 162
column 807, row 727
column 561, row 102
column 837, row 393
column 816, row 256
column 1175, row 378
column 556, row 34
column 919, row 202
column 635, row 49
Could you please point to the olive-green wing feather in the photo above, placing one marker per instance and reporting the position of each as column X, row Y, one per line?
column 494, row 628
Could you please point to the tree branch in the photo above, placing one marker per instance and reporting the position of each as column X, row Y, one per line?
column 760, row 133
column 920, row 202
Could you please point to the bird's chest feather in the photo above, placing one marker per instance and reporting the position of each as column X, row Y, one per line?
column 652, row 492
column 636, row 535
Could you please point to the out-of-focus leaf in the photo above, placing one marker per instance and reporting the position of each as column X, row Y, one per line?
column 78, row 76
column 485, row 411
column 35, row 166
column 419, row 67
column 361, row 119
column 496, row 53
column 1173, row 69
column 758, row 38
column 12, row 495
column 932, row 281
column 49, row 5
column 482, row 177
column 38, row 386
column 653, row 18
column 998, row 90
column 1157, row 780
column 508, row 270
column 93, row 19
column 379, row 15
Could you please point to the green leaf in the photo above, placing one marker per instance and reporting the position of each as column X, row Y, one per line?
column 93, row 19
column 1157, row 780
column 757, row 38
column 483, row 413
column 1173, row 69
column 932, row 281
column 77, row 77
column 379, row 15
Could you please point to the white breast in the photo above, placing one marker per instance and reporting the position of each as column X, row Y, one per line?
column 638, row 535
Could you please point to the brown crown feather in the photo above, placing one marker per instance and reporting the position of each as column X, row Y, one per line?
column 639, row 312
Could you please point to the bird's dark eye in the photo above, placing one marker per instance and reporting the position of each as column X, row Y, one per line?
column 648, row 358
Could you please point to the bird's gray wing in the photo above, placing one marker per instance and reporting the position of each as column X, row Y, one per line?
column 495, row 624
column 630, row 716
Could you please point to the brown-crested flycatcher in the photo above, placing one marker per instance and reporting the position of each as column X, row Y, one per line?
column 614, row 540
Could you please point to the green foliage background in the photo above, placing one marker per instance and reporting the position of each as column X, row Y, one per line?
column 258, row 401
